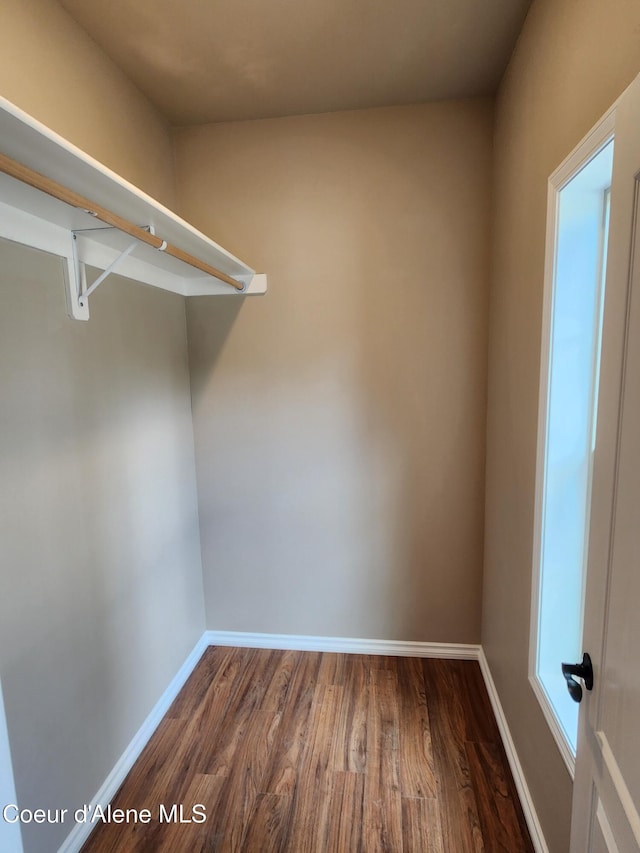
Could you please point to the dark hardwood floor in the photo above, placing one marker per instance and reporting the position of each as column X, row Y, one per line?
column 330, row 753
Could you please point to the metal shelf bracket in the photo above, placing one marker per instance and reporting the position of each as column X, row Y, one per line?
column 84, row 292
column 76, row 276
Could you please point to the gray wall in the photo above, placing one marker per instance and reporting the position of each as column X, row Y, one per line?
column 339, row 420
column 572, row 61
column 99, row 545
column 100, row 574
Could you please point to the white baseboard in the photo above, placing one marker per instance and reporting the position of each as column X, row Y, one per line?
column 81, row 831
column 530, row 814
column 348, row 645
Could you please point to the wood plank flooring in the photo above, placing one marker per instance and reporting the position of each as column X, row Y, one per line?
column 307, row 752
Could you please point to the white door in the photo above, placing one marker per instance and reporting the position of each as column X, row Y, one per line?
column 606, row 801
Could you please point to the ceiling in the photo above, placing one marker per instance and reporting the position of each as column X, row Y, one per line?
column 218, row 60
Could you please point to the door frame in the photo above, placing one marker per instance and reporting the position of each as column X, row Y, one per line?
column 602, row 132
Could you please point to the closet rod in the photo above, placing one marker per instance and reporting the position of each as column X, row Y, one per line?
column 40, row 182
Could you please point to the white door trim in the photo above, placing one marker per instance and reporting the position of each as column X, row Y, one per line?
column 623, row 792
column 586, row 149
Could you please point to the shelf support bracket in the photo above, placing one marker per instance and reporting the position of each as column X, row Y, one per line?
column 84, row 292
column 75, row 280
column 76, row 277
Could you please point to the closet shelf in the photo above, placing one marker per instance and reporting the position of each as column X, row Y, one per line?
column 56, row 198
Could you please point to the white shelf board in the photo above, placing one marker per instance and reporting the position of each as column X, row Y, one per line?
column 34, row 218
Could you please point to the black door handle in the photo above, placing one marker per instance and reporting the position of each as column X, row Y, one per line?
column 582, row 670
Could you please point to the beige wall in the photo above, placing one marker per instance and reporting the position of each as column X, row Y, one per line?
column 573, row 59
column 339, row 420
column 50, row 68
column 100, row 566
